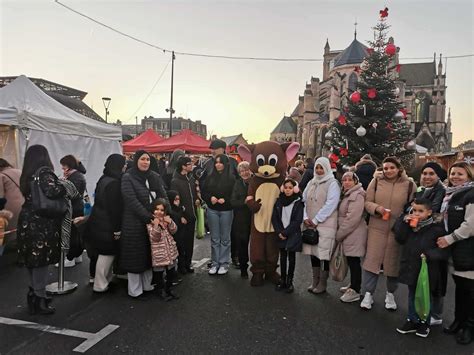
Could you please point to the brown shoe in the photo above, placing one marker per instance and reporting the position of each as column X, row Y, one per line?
column 273, row 277
column 256, row 280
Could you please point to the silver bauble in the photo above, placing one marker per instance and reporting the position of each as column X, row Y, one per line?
column 361, row 131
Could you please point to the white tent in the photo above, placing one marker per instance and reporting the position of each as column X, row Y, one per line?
column 29, row 116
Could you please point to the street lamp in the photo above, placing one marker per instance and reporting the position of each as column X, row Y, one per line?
column 106, row 102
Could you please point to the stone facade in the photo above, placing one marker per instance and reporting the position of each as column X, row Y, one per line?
column 422, row 90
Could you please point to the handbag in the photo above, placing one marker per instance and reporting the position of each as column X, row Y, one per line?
column 310, row 236
column 338, row 264
column 42, row 205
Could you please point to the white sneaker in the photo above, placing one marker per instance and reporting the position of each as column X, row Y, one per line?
column 435, row 321
column 222, row 270
column 69, row 263
column 367, row 302
column 350, row 296
column 390, row 303
column 213, row 270
column 343, row 289
column 78, row 259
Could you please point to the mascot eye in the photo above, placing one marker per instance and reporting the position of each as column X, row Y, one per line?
column 273, row 159
column 260, row 160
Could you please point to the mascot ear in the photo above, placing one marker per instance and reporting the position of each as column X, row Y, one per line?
column 245, row 151
column 290, row 149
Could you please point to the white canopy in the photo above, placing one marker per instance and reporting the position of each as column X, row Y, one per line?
column 43, row 120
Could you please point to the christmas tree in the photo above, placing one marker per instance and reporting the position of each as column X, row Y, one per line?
column 374, row 120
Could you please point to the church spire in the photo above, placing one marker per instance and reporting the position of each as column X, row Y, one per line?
column 355, row 29
column 440, row 65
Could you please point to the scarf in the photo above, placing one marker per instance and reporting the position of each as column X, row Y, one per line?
column 141, row 175
column 423, row 223
column 69, row 172
column 288, row 200
column 451, row 190
column 66, row 223
column 317, row 179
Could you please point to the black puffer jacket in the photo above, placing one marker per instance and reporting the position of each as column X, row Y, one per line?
column 434, row 194
column 106, row 216
column 242, row 214
column 135, row 252
column 292, row 232
column 463, row 249
column 186, row 187
column 415, row 244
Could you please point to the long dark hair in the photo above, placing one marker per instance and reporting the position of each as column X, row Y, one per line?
column 70, row 161
column 224, row 159
column 36, row 157
column 4, row 164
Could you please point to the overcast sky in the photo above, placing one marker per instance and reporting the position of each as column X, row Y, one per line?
column 40, row 38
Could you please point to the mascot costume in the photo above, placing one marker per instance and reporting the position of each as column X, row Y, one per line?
column 268, row 162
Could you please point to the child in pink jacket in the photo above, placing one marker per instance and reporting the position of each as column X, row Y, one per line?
column 164, row 253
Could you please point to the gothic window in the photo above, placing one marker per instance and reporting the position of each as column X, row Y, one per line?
column 421, row 105
column 353, row 82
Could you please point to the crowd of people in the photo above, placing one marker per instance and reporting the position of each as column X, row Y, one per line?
column 143, row 221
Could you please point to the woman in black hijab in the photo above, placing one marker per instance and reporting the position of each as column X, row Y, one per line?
column 105, row 222
column 140, row 187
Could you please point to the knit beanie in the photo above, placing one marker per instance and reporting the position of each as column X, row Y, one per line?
column 437, row 169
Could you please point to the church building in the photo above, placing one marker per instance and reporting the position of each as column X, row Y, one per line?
column 421, row 88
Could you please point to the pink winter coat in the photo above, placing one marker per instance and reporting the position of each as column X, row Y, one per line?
column 352, row 229
column 163, row 247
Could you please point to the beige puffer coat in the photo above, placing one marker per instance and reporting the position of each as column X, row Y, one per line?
column 382, row 249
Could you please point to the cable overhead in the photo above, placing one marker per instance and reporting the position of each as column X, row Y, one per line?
column 205, row 55
column 151, row 91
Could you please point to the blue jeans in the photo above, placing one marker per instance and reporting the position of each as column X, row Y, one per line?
column 220, row 224
column 412, row 315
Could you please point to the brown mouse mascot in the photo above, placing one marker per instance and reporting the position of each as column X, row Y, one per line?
column 268, row 162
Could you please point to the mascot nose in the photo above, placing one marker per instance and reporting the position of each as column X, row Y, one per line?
column 266, row 170
column 265, row 173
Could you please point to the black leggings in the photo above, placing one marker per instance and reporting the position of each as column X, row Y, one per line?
column 356, row 272
column 291, row 256
column 315, row 262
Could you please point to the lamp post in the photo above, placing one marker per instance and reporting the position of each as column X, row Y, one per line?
column 170, row 110
column 106, row 102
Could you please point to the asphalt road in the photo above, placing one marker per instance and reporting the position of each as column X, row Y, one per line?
column 215, row 315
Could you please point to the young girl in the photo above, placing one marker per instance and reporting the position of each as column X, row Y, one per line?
column 163, row 248
column 286, row 219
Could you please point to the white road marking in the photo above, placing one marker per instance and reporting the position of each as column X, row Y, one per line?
column 198, row 264
column 91, row 338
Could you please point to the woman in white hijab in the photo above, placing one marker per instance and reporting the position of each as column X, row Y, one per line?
column 321, row 198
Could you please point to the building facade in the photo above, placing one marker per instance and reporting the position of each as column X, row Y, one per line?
column 162, row 126
column 422, row 89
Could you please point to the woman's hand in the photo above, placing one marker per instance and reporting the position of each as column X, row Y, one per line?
column 221, row 201
column 442, row 242
column 183, row 220
column 380, row 210
column 167, row 219
column 281, row 236
column 309, row 223
column 248, row 198
column 214, row 200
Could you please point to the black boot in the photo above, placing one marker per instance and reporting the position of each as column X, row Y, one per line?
column 42, row 306
column 465, row 336
column 30, row 298
column 453, row 328
column 289, row 284
column 169, row 283
column 281, row 285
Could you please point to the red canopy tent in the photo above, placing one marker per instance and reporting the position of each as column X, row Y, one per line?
column 143, row 141
column 186, row 140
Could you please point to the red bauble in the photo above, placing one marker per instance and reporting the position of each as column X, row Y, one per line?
column 355, row 97
column 357, row 69
column 333, row 157
column 342, row 120
column 371, row 93
column 404, row 111
column 370, row 51
column 391, row 49
column 383, row 13
column 343, row 152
